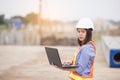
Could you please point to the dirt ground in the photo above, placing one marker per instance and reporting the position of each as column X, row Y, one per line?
column 30, row 63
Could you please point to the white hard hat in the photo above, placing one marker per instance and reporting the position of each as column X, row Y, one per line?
column 85, row 23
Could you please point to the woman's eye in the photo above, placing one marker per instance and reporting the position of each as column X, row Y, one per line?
column 83, row 31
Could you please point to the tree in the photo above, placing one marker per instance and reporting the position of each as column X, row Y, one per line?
column 2, row 19
column 31, row 18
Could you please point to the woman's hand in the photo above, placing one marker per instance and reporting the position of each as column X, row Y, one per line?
column 68, row 62
column 65, row 69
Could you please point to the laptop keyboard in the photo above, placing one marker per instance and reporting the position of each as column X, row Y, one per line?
column 66, row 65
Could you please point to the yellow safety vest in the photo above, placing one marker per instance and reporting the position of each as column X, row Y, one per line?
column 74, row 75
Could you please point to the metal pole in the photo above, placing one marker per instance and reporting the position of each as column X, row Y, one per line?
column 39, row 22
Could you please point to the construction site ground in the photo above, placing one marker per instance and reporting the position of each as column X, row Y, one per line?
column 31, row 63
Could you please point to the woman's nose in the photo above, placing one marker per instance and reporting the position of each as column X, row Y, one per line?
column 80, row 33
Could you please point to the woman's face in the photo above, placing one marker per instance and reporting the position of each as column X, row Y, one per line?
column 81, row 34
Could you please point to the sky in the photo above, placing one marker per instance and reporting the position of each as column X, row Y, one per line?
column 65, row 10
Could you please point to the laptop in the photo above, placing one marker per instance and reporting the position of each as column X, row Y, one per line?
column 54, row 58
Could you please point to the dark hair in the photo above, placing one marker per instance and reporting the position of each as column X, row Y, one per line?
column 87, row 38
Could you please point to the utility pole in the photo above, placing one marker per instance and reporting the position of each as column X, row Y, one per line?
column 40, row 9
column 39, row 36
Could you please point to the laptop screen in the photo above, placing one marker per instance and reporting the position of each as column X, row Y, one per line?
column 53, row 56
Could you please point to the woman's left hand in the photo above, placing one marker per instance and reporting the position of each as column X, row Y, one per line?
column 65, row 69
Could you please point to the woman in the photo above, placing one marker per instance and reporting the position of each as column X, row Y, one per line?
column 85, row 53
